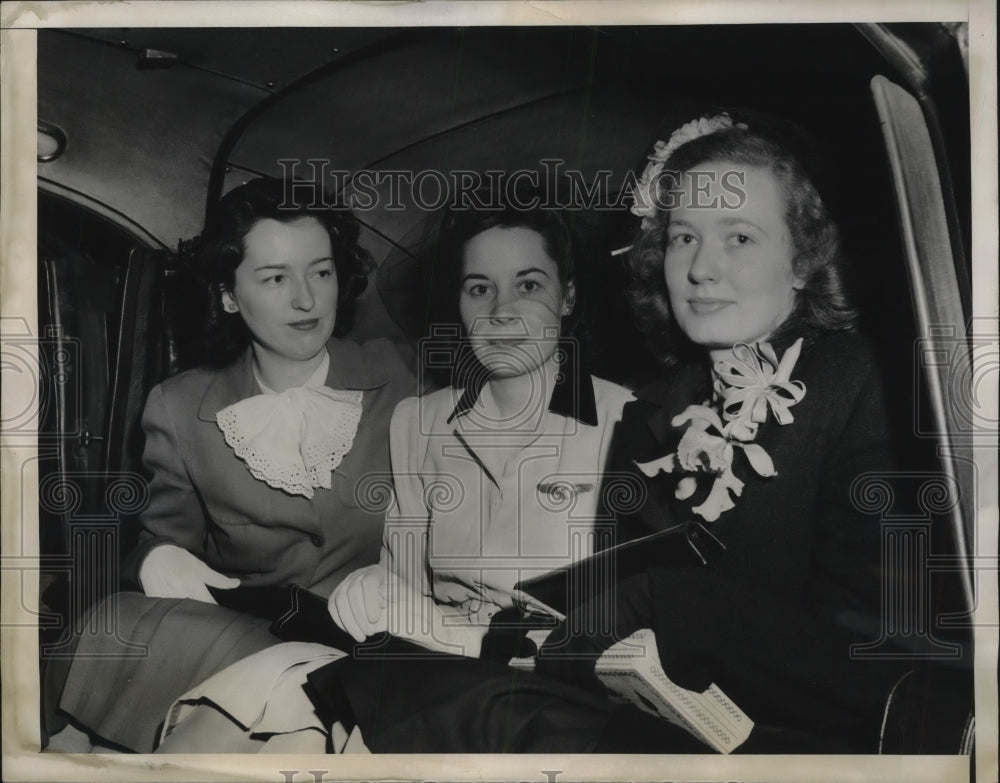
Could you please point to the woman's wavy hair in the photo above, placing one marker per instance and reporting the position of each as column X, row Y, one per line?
column 822, row 302
column 211, row 258
column 561, row 238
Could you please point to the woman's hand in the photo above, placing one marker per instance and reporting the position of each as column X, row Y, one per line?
column 358, row 603
column 570, row 652
column 445, row 629
column 371, row 601
column 169, row 571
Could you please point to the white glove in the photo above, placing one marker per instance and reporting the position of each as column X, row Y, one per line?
column 437, row 627
column 172, row 572
column 371, row 601
column 358, row 603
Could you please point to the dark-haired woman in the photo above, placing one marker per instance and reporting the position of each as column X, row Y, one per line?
column 497, row 476
column 254, row 459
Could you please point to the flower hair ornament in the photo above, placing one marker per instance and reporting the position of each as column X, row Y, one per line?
column 645, row 193
column 750, row 385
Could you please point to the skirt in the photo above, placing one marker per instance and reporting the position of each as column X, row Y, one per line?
column 144, row 654
column 256, row 705
column 447, row 704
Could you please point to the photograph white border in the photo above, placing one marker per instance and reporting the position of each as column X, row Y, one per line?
column 19, row 645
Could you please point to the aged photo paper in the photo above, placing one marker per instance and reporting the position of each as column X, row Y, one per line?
column 31, row 31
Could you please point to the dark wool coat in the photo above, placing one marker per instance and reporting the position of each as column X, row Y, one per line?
column 773, row 618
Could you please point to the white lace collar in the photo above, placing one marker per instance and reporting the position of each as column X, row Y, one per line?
column 294, row 440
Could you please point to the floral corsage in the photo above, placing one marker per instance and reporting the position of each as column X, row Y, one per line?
column 748, row 385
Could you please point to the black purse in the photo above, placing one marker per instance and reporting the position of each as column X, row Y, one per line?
column 690, row 544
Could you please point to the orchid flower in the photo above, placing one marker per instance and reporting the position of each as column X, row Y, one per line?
column 749, row 385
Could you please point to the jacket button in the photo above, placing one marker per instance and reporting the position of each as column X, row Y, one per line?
column 316, row 541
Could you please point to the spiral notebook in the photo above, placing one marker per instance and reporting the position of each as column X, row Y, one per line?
column 631, row 670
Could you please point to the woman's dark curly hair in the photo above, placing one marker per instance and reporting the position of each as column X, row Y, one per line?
column 561, row 238
column 821, row 303
column 213, row 256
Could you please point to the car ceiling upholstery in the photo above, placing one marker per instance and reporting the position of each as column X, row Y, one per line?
column 144, row 142
column 441, row 97
column 152, row 134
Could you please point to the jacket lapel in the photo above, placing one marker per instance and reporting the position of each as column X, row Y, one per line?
column 228, row 386
column 664, row 399
column 348, row 370
column 687, row 385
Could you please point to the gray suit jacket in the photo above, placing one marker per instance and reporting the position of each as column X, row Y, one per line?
column 203, row 498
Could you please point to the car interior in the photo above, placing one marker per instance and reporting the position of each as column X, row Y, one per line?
column 148, row 128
